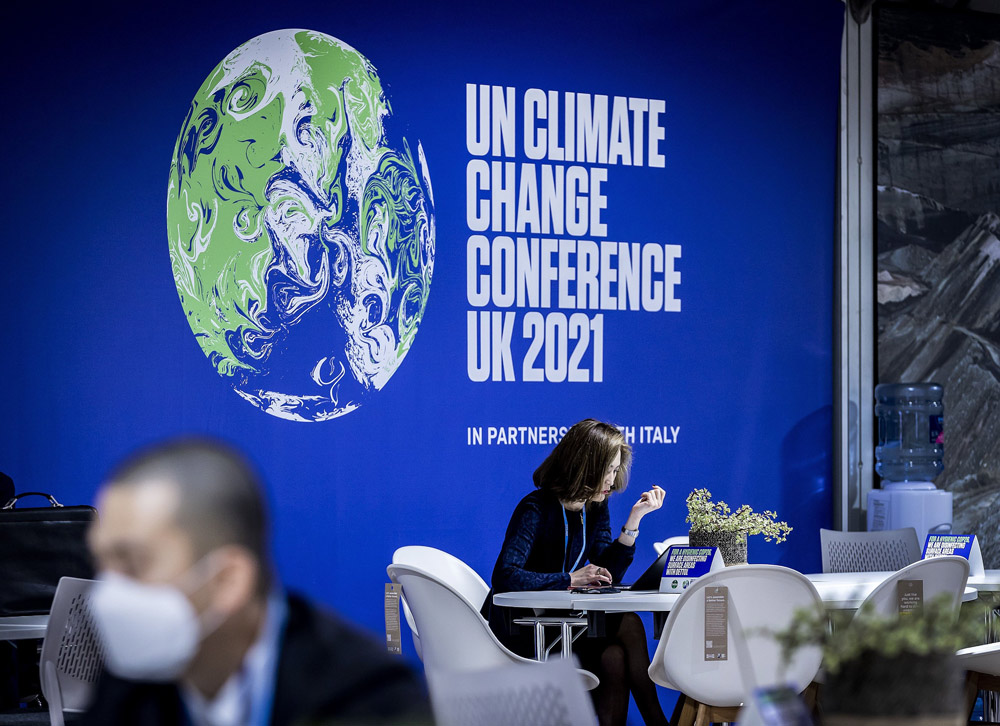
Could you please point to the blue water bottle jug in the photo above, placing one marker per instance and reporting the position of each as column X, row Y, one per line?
column 910, row 431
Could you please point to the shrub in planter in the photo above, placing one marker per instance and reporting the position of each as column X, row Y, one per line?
column 875, row 685
column 732, row 545
column 713, row 524
column 901, row 666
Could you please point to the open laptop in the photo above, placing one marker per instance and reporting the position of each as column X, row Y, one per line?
column 647, row 581
column 650, row 579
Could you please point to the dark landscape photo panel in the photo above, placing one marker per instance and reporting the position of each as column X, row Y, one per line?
column 938, row 270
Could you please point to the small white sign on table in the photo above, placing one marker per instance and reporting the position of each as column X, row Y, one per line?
column 685, row 564
column 963, row 545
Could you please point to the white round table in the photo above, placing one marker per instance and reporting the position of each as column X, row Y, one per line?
column 839, row 591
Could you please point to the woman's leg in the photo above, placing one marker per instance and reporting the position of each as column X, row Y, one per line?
column 611, row 696
column 632, row 636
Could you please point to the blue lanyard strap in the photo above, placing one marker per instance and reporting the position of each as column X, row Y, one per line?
column 583, row 546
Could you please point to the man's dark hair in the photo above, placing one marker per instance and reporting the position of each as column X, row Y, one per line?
column 221, row 501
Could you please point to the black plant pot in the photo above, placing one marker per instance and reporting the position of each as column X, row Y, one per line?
column 874, row 686
column 732, row 545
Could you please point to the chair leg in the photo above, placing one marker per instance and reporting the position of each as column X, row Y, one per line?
column 50, row 686
column 986, row 682
column 810, row 696
column 722, row 714
column 684, row 712
column 678, row 707
column 971, row 692
column 689, row 712
column 977, row 683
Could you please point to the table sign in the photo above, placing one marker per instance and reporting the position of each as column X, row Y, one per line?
column 684, row 564
column 963, row 545
column 717, row 623
column 909, row 596
column 393, row 634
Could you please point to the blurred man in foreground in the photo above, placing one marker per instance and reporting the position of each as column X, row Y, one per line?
column 196, row 629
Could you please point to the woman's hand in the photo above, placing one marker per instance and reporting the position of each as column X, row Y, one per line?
column 589, row 575
column 648, row 502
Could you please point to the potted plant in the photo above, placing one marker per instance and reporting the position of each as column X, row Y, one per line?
column 896, row 668
column 714, row 525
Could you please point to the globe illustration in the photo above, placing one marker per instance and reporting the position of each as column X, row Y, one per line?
column 301, row 236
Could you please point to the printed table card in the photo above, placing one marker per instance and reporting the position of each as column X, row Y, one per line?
column 393, row 637
column 961, row 545
column 684, row 564
column 910, row 596
column 716, row 623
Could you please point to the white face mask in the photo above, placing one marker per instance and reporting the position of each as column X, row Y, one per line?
column 150, row 632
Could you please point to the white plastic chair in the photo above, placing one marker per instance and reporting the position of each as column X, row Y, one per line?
column 946, row 574
column 670, row 542
column 982, row 663
column 72, row 654
column 448, row 568
column 939, row 575
column 454, row 637
column 983, row 659
column 550, row 693
column 884, row 551
column 761, row 598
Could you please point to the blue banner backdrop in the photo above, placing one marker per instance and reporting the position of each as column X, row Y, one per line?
column 671, row 262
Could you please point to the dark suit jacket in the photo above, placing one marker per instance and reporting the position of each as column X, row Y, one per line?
column 328, row 673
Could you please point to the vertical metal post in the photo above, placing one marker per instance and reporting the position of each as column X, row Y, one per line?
column 854, row 336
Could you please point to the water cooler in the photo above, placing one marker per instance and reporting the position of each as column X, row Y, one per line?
column 908, row 456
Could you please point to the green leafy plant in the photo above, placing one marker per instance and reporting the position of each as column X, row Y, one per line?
column 706, row 515
column 934, row 630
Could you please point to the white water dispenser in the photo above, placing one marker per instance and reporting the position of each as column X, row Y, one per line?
column 910, row 453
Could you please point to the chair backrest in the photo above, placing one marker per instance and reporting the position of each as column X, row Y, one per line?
column 947, row 574
column 761, row 598
column 512, row 695
column 670, row 542
column 447, row 568
column 72, row 654
column 453, row 635
column 888, row 550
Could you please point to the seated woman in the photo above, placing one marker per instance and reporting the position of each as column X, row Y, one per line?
column 554, row 533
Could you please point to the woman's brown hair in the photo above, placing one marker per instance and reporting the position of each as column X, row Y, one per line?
column 576, row 467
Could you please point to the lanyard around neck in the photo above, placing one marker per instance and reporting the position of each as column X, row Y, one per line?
column 583, row 546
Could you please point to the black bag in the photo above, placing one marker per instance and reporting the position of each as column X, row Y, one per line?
column 38, row 545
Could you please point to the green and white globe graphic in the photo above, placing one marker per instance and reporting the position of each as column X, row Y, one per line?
column 301, row 236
